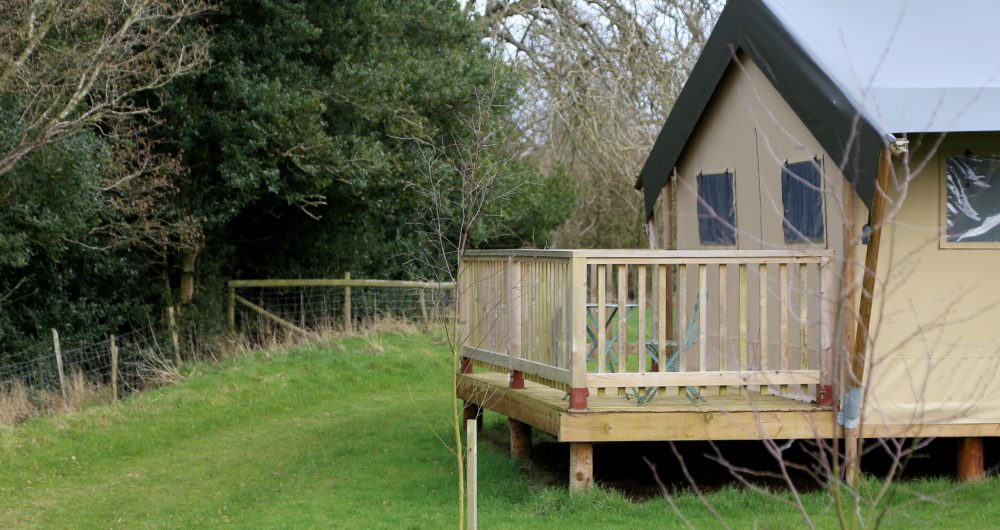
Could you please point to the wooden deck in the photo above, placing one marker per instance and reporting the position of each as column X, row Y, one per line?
column 612, row 418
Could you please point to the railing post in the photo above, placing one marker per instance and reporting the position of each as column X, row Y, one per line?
column 828, row 294
column 514, row 322
column 576, row 303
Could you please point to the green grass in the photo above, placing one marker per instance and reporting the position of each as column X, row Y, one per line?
column 346, row 434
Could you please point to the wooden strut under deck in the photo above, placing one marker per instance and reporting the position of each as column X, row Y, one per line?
column 611, row 418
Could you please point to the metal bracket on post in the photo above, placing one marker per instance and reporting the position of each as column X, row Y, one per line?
column 850, row 409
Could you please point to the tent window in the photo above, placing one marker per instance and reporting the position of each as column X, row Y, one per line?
column 716, row 209
column 973, row 207
column 802, row 199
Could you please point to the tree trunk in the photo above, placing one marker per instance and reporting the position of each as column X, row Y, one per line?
column 187, row 276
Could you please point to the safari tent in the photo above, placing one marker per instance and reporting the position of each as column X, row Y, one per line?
column 826, row 203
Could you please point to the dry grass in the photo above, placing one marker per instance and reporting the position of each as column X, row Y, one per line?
column 270, row 337
column 19, row 403
column 15, row 407
column 81, row 393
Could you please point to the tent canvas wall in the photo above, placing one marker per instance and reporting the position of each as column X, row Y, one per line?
column 783, row 82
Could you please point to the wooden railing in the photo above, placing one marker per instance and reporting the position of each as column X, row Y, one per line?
column 739, row 320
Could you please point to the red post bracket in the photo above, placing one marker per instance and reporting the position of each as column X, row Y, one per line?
column 824, row 395
column 517, row 380
column 578, row 398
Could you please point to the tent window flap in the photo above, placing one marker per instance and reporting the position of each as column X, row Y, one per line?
column 973, row 207
column 716, row 209
column 802, row 201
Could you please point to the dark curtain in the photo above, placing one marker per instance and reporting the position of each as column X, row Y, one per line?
column 716, row 209
column 802, row 197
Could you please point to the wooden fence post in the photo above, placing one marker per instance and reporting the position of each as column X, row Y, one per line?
column 423, row 306
column 59, row 365
column 174, row 337
column 114, row 368
column 471, row 473
column 347, row 303
column 231, row 309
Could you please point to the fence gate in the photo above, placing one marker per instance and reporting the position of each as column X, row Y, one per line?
column 303, row 306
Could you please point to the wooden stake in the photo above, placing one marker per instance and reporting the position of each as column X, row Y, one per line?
column 581, row 467
column 520, row 439
column 470, row 473
column 970, row 460
column 59, row 366
column 114, row 368
column 347, row 304
column 175, row 339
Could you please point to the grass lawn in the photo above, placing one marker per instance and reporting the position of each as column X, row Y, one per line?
column 344, row 434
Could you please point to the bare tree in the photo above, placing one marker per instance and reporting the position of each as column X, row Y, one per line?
column 603, row 77
column 68, row 65
column 459, row 179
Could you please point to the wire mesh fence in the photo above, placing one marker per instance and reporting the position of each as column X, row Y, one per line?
column 262, row 306
column 140, row 361
column 258, row 309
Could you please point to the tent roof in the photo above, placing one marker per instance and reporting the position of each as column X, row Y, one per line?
column 851, row 70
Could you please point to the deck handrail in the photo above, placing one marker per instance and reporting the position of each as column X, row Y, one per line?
column 540, row 332
column 733, row 255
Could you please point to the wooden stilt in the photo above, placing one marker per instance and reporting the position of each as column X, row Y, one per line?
column 581, row 467
column 520, row 439
column 970, row 460
column 852, row 462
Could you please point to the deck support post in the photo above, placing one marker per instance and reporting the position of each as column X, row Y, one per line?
column 520, row 439
column 970, row 460
column 581, row 467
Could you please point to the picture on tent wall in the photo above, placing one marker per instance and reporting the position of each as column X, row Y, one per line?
column 972, row 209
